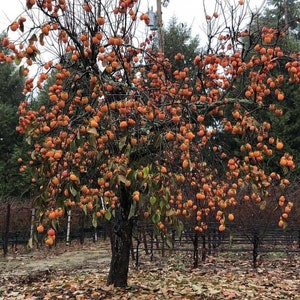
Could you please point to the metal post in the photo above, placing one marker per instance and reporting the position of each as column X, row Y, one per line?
column 68, row 227
column 32, row 223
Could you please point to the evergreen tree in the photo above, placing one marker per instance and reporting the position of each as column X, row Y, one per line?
column 11, row 143
column 178, row 39
column 283, row 14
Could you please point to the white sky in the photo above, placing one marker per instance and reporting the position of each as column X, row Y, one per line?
column 187, row 11
column 190, row 12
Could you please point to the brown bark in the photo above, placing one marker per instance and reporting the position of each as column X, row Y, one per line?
column 121, row 242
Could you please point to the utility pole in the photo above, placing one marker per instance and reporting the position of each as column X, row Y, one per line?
column 160, row 27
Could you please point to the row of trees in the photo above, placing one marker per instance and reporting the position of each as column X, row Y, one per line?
column 125, row 131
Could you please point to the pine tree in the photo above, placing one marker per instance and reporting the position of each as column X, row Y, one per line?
column 11, row 143
column 178, row 39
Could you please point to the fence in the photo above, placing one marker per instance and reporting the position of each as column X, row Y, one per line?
column 17, row 227
column 212, row 241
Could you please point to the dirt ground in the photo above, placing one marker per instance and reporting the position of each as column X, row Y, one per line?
column 79, row 272
column 61, row 257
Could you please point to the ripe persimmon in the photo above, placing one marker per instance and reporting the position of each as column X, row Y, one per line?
column 281, row 223
column 73, row 177
column 14, row 26
column 51, row 232
column 100, row 20
column 231, row 217
column 280, row 96
column 40, row 228
column 200, row 196
column 49, row 241
column 52, row 215
column 136, row 196
column 169, row 136
column 185, row 164
column 222, row 227
column 279, row 145
column 123, row 124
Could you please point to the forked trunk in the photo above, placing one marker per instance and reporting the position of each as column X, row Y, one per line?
column 121, row 239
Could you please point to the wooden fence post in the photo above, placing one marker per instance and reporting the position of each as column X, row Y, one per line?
column 6, row 232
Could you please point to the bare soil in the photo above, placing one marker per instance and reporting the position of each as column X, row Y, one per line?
column 61, row 257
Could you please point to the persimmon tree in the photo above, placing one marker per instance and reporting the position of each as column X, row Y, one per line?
column 122, row 138
column 285, row 14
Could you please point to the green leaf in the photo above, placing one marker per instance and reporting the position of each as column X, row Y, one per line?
column 32, row 155
column 284, row 225
column 73, row 146
column 170, row 212
column 169, row 241
column 157, row 140
column 21, row 70
column 107, row 215
column 128, row 149
column 162, row 204
column 54, row 224
column 156, row 218
column 263, row 204
column 28, row 140
column 92, row 130
column 146, row 171
column 178, row 227
column 17, row 62
column 94, row 220
column 132, row 212
column 122, row 142
column 92, row 140
column 121, row 178
column 73, row 191
column 285, row 170
column 254, row 187
column 84, row 208
column 152, row 200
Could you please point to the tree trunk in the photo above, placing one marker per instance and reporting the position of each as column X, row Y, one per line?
column 204, row 250
column 195, row 244
column 121, row 242
column 255, row 248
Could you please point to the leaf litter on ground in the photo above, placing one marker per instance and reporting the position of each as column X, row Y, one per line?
column 80, row 272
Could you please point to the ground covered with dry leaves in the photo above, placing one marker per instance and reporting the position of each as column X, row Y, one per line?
column 79, row 272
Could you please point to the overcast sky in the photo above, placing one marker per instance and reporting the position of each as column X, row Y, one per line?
column 187, row 11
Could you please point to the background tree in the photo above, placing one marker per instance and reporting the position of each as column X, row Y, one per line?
column 11, row 142
column 122, row 140
column 285, row 14
column 178, row 39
